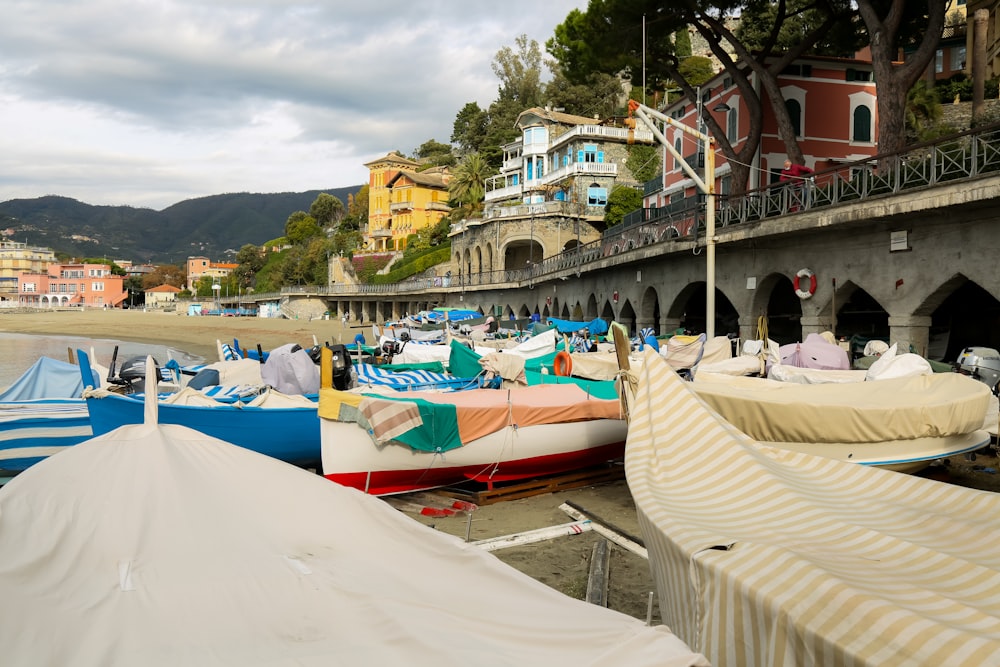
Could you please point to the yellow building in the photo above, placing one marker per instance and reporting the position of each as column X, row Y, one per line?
column 17, row 258
column 380, row 173
column 417, row 199
column 200, row 267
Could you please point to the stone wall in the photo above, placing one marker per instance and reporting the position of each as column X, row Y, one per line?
column 959, row 116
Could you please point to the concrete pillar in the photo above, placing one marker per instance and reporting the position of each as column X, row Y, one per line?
column 980, row 28
column 643, row 322
column 814, row 324
column 909, row 332
column 748, row 328
column 668, row 325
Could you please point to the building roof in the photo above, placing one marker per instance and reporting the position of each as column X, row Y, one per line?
column 394, row 158
column 163, row 288
column 540, row 113
column 425, row 179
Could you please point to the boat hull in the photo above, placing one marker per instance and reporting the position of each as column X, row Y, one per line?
column 351, row 457
column 288, row 434
column 907, row 456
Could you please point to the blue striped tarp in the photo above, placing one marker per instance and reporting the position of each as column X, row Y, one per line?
column 370, row 374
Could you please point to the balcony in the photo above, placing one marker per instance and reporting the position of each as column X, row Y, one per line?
column 512, row 164
column 400, row 206
column 509, row 192
column 525, row 210
column 619, row 134
column 438, row 206
column 381, row 234
column 578, row 168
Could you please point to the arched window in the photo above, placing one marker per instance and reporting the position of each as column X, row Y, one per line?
column 862, row 124
column 795, row 114
column 677, row 147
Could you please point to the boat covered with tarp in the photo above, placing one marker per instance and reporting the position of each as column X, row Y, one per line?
column 157, row 545
column 766, row 556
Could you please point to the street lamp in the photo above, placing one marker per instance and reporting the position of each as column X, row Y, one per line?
column 706, row 186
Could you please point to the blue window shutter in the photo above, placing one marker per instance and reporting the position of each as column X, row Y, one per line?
column 579, row 156
column 600, row 156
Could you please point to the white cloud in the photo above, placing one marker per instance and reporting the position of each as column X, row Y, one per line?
column 149, row 102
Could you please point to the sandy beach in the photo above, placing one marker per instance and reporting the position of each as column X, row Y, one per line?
column 196, row 335
column 561, row 562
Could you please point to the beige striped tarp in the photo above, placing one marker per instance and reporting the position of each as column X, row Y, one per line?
column 763, row 556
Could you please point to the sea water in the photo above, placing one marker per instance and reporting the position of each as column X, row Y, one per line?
column 18, row 352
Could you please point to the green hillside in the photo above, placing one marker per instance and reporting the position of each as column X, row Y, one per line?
column 215, row 226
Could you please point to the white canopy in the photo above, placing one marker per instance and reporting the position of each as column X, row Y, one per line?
column 157, row 545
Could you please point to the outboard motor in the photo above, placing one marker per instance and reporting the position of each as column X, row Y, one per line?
column 132, row 375
column 981, row 363
column 391, row 348
column 341, row 367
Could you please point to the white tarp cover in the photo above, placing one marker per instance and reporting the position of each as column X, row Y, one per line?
column 290, row 370
column 420, row 353
column 764, row 557
column 239, row 372
column 156, row 545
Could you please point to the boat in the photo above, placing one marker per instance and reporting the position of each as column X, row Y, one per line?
column 386, row 444
column 766, row 556
column 901, row 423
column 283, row 426
column 42, row 413
column 163, row 546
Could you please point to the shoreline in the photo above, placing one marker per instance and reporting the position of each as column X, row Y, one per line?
column 196, row 335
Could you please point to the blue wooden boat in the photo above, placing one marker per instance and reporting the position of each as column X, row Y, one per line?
column 289, row 433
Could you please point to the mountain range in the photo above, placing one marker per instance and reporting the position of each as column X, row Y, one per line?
column 215, row 227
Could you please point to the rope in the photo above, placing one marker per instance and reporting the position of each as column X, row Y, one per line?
column 625, row 383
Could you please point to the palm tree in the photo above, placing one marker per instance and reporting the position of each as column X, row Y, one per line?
column 923, row 112
column 467, row 187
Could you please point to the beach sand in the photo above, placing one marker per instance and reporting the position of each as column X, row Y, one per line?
column 561, row 562
column 195, row 335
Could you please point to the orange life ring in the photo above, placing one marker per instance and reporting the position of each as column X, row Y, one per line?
column 801, row 292
column 563, row 364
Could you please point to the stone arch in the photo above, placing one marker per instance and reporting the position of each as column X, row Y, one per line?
column 962, row 314
column 858, row 314
column 649, row 309
column 591, row 312
column 519, row 251
column 627, row 317
column 607, row 311
column 688, row 309
column 775, row 300
column 477, row 263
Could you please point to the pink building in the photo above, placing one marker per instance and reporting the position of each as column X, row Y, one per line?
column 832, row 104
column 83, row 285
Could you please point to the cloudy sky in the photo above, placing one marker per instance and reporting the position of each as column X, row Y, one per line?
column 150, row 102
